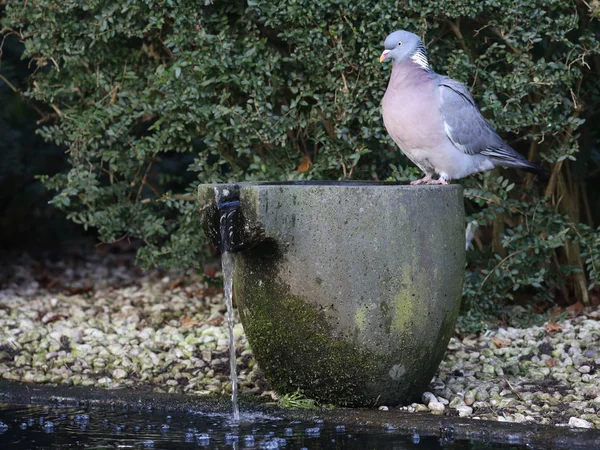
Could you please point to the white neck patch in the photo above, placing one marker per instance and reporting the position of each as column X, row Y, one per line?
column 420, row 59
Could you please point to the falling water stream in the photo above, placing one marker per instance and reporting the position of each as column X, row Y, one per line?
column 228, row 212
column 228, row 266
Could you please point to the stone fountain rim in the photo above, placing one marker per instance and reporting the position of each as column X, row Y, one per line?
column 332, row 183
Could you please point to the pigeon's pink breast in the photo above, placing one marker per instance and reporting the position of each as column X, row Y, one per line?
column 410, row 110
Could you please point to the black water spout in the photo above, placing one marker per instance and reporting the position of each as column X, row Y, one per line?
column 225, row 224
column 228, row 218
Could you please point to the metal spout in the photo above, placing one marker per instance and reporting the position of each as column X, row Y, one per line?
column 228, row 218
column 229, row 221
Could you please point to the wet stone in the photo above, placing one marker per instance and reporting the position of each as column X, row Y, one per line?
column 464, row 410
column 428, row 397
column 203, row 438
column 469, row 398
column 420, row 407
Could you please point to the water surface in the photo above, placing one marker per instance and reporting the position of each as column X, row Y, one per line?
column 59, row 427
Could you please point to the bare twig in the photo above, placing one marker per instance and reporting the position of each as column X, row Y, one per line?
column 456, row 30
column 500, row 263
column 481, row 29
column 501, row 35
column 56, row 109
column 586, row 243
column 8, row 83
column 143, row 183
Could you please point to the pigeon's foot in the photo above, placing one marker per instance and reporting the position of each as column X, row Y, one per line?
column 429, row 181
column 441, row 181
column 425, row 180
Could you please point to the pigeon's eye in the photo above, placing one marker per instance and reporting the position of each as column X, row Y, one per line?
column 399, row 44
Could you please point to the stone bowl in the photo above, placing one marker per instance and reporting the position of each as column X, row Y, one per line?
column 347, row 291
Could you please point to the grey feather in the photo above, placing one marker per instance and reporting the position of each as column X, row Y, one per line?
column 468, row 130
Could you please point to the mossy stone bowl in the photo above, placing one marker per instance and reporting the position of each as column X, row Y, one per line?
column 347, row 291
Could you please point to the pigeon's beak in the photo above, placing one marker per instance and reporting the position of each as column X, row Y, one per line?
column 384, row 55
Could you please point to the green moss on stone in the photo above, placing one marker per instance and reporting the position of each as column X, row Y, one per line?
column 410, row 302
column 360, row 318
column 294, row 344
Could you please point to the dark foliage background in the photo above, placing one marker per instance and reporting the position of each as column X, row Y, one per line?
column 152, row 97
column 27, row 221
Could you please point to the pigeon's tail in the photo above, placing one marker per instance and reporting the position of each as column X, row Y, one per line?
column 507, row 157
column 528, row 166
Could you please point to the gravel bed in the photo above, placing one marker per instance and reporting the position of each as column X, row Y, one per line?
column 543, row 374
column 99, row 321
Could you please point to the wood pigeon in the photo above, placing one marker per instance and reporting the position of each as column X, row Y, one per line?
column 435, row 121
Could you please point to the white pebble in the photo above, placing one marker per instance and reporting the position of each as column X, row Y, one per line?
column 119, row 374
column 464, row 410
column 436, row 406
column 584, row 369
column 579, row 423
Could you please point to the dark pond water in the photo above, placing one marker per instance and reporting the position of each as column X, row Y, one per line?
column 42, row 427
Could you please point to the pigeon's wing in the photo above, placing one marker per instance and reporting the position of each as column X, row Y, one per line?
column 466, row 127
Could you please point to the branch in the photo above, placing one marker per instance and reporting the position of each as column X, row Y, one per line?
column 499, row 264
column 501, row 36
column 456, row 30
column 9, row 84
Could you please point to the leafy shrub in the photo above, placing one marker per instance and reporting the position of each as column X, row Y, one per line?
column 290, row 89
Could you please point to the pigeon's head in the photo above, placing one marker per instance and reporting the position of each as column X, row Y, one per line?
column 402, row 45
